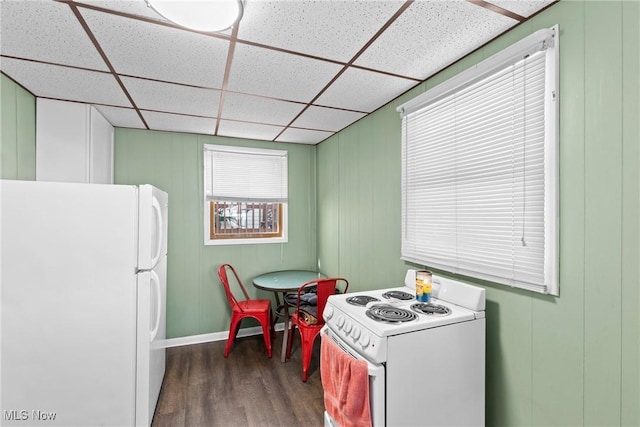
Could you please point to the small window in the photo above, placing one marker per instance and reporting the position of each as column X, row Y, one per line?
column 232, row 220
column 245, row 196
column 480, row 169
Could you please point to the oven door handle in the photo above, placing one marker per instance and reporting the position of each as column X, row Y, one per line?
column 374, row 369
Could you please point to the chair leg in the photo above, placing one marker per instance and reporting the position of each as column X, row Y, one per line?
column 307, row 350
column 233, row 331
column 307, row 338
column 272, row 322
column 266, row 332
column 290, row 337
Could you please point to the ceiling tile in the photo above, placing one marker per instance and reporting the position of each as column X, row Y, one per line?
column 259, row 109
column 327, row 29
column 431, row 35
column 141, row 49
column 363, row 90
column 524, row 8
column 131, row 7
column 173, row 98
column 179, row 123
column 286, row 56
column 46, row 31
column 279, row 75
column 121, row 117
column 303, row 136
column 71, row 84
column 248, row 130
column 322, row 118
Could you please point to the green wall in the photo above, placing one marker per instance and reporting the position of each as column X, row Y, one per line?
column 173, row 162
column 567, row 361
column 18, row 135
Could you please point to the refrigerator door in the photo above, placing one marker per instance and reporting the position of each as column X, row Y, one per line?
column 68, row 294
column 152, row 294
column 153, row 226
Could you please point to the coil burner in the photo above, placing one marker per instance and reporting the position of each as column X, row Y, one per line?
column 431, row 309
column 401, row 295
column 361, row 300
column 390, row 314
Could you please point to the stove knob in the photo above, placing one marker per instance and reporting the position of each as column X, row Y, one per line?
column 347, row 326
column 328, row 313
column 365, row 340
column 355, row 333
column 340, row 322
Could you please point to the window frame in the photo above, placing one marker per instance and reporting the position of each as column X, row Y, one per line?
column 221, row 236
column 210, row 237
column 545, row 40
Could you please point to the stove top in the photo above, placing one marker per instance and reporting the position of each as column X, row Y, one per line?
column 385, row 316
column 395, row 310
column 365, row 320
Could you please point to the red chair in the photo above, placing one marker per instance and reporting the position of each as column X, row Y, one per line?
column 309, row 322
column 259, row 309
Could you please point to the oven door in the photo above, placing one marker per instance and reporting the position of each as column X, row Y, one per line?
column 376, row 383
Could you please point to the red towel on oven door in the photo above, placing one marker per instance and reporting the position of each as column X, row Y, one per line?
column 346, row 386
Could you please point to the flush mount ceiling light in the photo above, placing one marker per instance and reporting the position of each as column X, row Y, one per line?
column 200, row 15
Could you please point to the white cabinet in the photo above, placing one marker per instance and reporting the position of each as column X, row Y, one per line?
column 74, row 143
column 101, row 149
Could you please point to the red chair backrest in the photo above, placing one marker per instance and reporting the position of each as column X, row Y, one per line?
column 224, row 278
column 325, row 288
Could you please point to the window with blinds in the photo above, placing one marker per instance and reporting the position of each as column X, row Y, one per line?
column 245, row 195
column 480, row 170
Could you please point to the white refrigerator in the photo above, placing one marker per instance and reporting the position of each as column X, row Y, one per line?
column 83, row 291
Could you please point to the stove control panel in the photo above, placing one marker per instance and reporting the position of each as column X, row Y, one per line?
column 358, row 337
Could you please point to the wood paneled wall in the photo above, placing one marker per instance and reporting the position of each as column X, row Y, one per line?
column 567, row 361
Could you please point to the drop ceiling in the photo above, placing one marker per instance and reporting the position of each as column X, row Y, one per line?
column 293, row 71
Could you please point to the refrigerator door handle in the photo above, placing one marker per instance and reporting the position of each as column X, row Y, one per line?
column 159, row 228
column 155, row 280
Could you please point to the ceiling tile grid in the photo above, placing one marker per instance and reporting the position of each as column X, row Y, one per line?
column 152, row 51
column 249, row 130
column 277, row 74
column 290, row 71
column 330, row 29
column 363, row 90
column 322, row 118
column 65, row 83
column 173, row 98
column 130, row 7
column 524, row 8
column 46, row 31
column 179, row 123
column 303, row 136
column 431, row 35
column 249, row 108
column 127, row 117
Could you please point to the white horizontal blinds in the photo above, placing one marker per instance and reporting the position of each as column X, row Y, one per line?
column 428, row 185
column 500, row 174
column 242, row 174
column 474, row 177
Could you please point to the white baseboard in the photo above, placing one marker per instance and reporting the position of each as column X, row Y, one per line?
column 215, row 336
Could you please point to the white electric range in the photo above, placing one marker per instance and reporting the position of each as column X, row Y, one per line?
column 426, row 360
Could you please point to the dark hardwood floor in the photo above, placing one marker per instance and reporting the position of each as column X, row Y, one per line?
column 202, row 388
